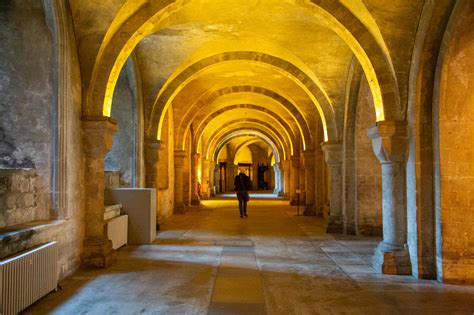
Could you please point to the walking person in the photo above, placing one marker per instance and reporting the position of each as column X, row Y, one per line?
column 241, row 186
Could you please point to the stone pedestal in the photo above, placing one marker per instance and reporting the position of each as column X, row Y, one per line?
column 195, row 200
column 179, row 157
column 310, row 179
column 97, row 138
column 333, row 157
column 389, row 142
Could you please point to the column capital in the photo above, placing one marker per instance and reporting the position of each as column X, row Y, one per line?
column 179, row 156
column 332, row 152
column 389, row 141
column 152, row 144
column 98, row 134
column 205, row 162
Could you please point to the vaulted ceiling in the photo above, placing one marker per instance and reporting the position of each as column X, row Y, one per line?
column 276, row 68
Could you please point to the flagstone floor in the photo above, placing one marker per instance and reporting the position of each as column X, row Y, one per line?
column 210, row 261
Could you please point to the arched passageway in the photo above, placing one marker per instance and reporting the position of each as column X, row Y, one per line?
column 351, row 113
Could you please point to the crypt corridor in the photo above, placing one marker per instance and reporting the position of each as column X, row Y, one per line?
column 123, row 124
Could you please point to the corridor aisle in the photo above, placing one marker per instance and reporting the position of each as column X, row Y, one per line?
column 210, row 261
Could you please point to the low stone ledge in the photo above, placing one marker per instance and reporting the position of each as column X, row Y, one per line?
column 16, row 238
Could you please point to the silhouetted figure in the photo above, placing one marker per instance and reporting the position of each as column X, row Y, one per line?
column 241, row 186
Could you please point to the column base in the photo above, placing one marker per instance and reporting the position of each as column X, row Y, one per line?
column 195, row 202
column 335, row 225
column 179, row 209
column 97, row 254
column 310, row 210
column 391, row 259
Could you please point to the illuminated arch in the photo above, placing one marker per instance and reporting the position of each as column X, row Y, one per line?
column 141, row 19
column 179, row 80
column 280, row 135
column 207, row 121
column 239, row 133
column 286, row 104
column 269, row 133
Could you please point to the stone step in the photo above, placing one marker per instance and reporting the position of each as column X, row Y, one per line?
column 112, row 211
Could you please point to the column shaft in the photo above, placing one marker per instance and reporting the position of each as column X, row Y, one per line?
column 389, row 142
column 310, row 178
column 333, row 157
column 179, row 157
column 294, row 180
column 97, row 138
column 195, row 200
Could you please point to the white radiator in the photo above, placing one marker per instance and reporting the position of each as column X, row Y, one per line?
column 27, row 277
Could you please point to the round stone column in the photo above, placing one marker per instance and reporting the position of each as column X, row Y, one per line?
column 310, row 178
column 212, row 177
column 333, row 156
column 179, row 158
column 294, row 179
column 230, row 175
column 281, row 183
column 152, row 148
column 276, row 172
column 389, row 142
column 98, row 135
column 205, row 178
column 286, row 179
column 195, row 200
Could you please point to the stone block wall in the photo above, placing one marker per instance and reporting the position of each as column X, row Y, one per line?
column 17, row 196
column 455, row 193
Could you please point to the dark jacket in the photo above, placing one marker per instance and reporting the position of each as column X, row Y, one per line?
column 241, row 185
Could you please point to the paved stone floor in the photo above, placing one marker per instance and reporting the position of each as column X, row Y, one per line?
column 210, row 261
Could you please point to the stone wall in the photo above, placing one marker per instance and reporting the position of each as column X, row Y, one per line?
column 368, row 170
column 456, row 152
column 17, row 196
column 26, row 93
column 34, row 104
